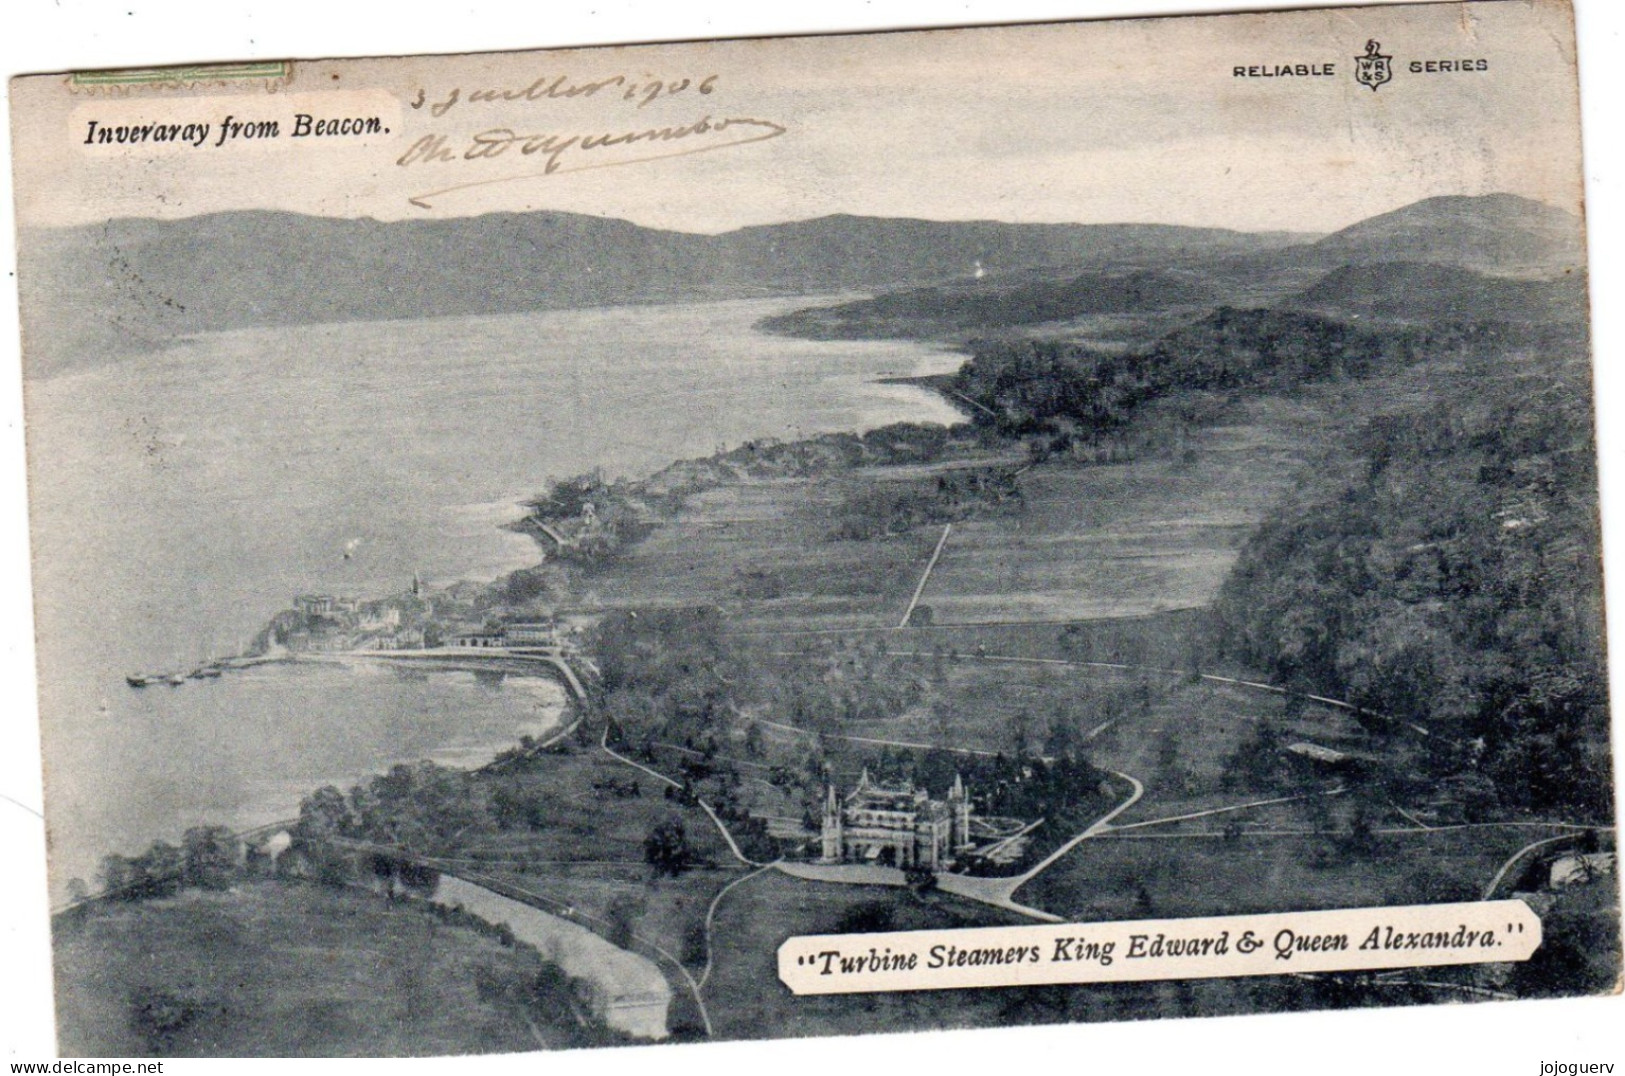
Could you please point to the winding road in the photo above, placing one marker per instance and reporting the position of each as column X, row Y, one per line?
column 494, row 658
column 711, row 915
column 1000, row 892
column 1512, row 861
column 706, row 807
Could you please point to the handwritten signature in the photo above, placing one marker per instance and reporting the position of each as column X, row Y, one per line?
column 644, row 92
column 567, row 152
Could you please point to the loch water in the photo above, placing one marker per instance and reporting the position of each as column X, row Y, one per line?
column 182, row 496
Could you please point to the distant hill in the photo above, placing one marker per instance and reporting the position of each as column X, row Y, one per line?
column 843, row 252
column 1494, row 257
column 94, row 291
column 1410, row 291
column 1492, row 232
column 967, row 307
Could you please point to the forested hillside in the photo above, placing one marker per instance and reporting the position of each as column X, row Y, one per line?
column 1033, row 386
column 1443, row 569
column 985, row 306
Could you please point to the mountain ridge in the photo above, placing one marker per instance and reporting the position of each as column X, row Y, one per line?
column 1504, row 233
column 95, row 292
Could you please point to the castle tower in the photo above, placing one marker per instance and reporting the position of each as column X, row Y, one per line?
column 831, row 831
column 959, row 805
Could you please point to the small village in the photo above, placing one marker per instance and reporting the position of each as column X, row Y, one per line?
column 419, row 621
column 416, row 619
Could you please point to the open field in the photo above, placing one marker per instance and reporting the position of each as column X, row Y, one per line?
column 277, row 969
column 1160, row 640
column 1135, row 875
column 1086, row 541
column 1130, row 538
column 763, row 549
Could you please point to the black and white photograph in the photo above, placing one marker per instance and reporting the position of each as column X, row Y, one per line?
column 796, row 535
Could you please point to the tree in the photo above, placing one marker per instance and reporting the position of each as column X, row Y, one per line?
column 1020, row 732
column 1361, row 837
column 666, row 848
column 1075, row 643
column 623, row 913
column 324, row 814
column 1062, row 740
column 1579, row 954
column 422, row 807
column 211, row 855
column 693, row 951
column 159, row 1017
column 118, row 876
column 1256, row 763
column 156, row 872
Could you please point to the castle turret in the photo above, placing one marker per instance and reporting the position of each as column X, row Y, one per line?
column 959, row 806
column 831, row 831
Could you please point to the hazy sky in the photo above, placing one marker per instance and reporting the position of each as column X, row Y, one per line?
column 1129, row 121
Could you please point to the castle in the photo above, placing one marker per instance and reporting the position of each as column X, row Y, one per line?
column 902, row 826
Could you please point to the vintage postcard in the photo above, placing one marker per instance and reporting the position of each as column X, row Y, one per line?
column 812, row 536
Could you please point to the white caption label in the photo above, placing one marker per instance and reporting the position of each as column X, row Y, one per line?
column 1355, row 939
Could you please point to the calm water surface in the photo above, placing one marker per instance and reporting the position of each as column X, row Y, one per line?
column 181, row 498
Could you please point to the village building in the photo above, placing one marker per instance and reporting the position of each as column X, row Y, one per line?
column 902, row 826
column 326, row 605
column 530, row 634
column 533, row 633
column 379, row 616
column 398, row 639
column 320, row 642
column 478, row 640
column 315, row 604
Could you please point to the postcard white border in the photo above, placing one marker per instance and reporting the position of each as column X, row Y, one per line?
column 51, row 35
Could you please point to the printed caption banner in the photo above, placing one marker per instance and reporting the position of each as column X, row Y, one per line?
column 1353, row 939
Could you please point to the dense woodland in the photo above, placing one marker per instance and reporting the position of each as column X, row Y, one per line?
column 1450, row 577
column 1048, row 387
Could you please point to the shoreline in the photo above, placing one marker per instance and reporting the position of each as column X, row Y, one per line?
column 869, row 407
column 256, row 812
